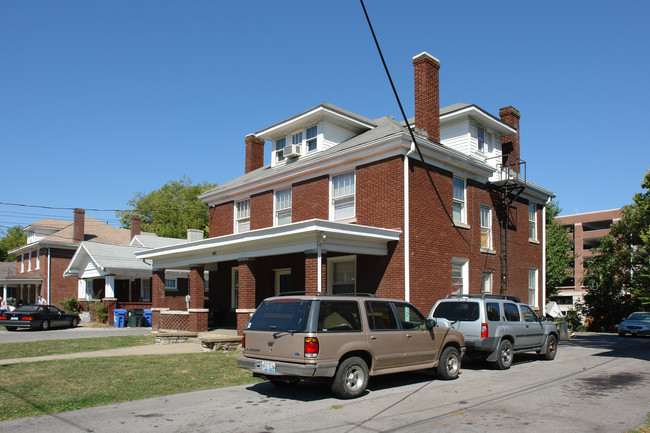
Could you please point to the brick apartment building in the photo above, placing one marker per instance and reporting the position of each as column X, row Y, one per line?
column 346, row 205
column 585, row 230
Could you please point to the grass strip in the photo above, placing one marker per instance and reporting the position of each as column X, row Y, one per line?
column 56, row 386
column 30, row 349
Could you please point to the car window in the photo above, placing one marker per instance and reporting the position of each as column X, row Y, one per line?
column 455, row 311
column 493, row 311
column 410, row 318
column 339, row 316
column 28, row 308
column 380, row 316
column 511, row 312
column 529, row 315
column 284, row 315
column 639, row 316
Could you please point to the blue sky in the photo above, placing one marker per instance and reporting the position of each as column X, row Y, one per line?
column 101, row 100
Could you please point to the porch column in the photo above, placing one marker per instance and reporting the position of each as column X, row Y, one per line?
column 110, row 301
column 157, row 298
column 246, row 300
column 81, row 288
column 197, row 310
column 315, row 281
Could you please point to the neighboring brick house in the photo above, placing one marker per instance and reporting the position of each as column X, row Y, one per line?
column 346, row 205
column 585, row 230
column 50, row 246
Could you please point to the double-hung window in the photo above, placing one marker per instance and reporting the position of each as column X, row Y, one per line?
column 312, row 143
column 481, row 139
column 532, row 221
column 297, row 139
column 283, row 207
column 242, row 216
column 170, row 284
column 459, row 200
column 341, row 274
column 280, row 143
column 532, row 287
column 145, row 290
column 486, row 227
column 343, row 196
column 459, row 276
column 486, row 282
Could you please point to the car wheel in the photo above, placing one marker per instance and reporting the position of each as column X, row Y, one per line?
column 504, row 360
column 11, row 328
column 551, row 348
column 621, row 334
column 351, row 378
column 45, row 325
column 74, row 322
column 285, row 383
column 449, row 364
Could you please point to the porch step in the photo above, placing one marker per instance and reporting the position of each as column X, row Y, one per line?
column 220, row 343
column 171, row 336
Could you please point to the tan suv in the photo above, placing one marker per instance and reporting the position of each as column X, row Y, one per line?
column 345, row 340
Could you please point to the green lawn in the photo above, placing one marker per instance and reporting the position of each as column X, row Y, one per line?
column 57, row 347
column 38, row 388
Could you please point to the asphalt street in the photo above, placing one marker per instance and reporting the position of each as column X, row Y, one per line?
column 597, row 383
column 24, row 334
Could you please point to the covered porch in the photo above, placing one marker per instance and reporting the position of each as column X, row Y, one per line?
column 244, row 268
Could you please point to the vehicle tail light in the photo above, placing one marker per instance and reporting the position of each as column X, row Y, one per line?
column 3, row 317
column 243, row 341
column 27, row 318
column 485, row 331
column 311, row 347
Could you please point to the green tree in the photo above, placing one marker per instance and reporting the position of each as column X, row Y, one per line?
column 170, row 210
column 559, row 258
column 618, row 276
column 14, row 238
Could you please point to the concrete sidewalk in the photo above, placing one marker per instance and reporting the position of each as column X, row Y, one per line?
column 149, row 349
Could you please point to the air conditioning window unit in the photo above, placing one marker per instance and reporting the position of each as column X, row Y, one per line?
column 291, row 151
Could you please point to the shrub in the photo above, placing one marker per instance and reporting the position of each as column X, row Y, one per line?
column 71, row 304
column 98, row 311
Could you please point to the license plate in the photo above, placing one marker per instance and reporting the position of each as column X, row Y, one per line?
column 268, row 366
column 14, row 318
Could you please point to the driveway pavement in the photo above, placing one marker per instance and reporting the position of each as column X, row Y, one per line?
column 81, row 331
column 597, row 383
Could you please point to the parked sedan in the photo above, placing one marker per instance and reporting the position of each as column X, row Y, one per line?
column 37, row 317
column 636, row 324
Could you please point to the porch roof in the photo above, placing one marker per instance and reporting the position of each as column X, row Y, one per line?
column 300, row 237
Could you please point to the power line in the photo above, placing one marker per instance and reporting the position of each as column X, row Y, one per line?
column 103, row 210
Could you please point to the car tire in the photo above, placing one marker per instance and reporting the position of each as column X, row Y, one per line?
column 351, row 378
column 551, row 348
column 449, row 364
column 621, row 334
column 74, row 322
column 11, row 328
column 505, row 355
column 285, row 382
column 45, row 325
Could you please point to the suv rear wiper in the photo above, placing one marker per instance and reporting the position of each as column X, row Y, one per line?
column 281, row 333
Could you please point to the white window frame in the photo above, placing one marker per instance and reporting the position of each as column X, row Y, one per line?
column 344, row 198
column 533, row 287
column 460, row 201
column 532, row 221
column 29, row 264
column 22, row 263
column 242, row 218
column 481, row 138
column 206, row 281
column 278, row 154
column 234, row 287
column 144, row 282
column 38, row 259
column 464, row 275
column 173, row 284
column 486, row 281
column 282, row 211
column 311, row 140
column 331, row 262
column 486, row 225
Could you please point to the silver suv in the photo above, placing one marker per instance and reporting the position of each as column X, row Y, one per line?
column 496, row 327
column 345, row 340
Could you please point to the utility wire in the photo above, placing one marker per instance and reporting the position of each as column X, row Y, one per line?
column 101, row 210
column 417, row 147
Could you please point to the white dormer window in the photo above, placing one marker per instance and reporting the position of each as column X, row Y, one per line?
column 312, row 142
column 278, row 150
column 481, row 139
column 296, row 138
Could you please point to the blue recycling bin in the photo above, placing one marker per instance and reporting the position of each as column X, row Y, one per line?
column 146, row 318
column 119, row 318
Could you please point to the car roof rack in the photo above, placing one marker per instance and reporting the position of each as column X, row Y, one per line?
column 370, row 295
column 487, row 296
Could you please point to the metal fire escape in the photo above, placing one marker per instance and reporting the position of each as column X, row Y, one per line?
column 509, row 184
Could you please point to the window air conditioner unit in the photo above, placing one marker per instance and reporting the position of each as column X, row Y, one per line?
column 291, row 151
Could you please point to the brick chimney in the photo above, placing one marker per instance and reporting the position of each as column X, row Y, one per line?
column 510, row 143
column 254, row 153
column 136, row 222
column 78, row 228
column 427, row 95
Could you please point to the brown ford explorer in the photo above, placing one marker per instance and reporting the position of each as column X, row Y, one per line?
column 345, row 340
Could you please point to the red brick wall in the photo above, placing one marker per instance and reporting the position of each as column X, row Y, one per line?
column 175, row 299
column 262, row 210
column 222, row 219
column 310, row 199
column 60, row 288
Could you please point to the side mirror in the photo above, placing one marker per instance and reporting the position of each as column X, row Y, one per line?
column 431, row 323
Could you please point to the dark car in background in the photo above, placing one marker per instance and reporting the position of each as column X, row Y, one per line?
column 38, row 317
